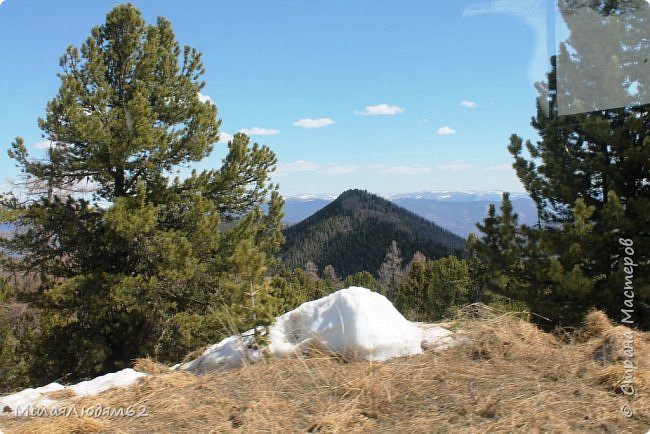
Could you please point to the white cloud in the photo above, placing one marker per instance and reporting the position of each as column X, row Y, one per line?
column 297, row 166
column 224, row 137
column 468, row 103
column 256, row 131
column 455, row 166
column 498, row 167
column 313, row 123
column 43, row 144
column 381, row 109
column 47, row 144
column 406, row 170
column 205, row 98
column 336, row 169
column 446, row 131
column 375, row 166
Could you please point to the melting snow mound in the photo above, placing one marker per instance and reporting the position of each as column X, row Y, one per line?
column 28, row 397
column 231, row 352
column 354, row 322
column 97, row 385
column 435, row 337
column 16, row 403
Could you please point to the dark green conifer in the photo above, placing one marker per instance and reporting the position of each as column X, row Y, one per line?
column 588, row 174
column 149, row 264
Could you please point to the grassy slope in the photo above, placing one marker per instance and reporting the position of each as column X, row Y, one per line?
column 507, row 377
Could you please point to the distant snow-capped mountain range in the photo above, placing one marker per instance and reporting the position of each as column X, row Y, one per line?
column 449, row 196
column 455, row 196
column 456, row 211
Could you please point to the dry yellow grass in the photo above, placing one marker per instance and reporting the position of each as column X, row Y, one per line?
column 508, row 376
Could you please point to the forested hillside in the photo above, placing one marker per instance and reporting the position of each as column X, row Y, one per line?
column 353, row 232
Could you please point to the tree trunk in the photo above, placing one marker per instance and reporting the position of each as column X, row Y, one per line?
column 118, row 190
column 252, row 295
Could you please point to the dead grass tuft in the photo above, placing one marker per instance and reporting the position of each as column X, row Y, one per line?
column 60, row 394
column 596, row 323
column 477, row 311
column 194, row 354
column 506, row 376
column 61, row 425
column 612, row 378
column 148, row 366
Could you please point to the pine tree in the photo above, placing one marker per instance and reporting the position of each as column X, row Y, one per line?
column 433, row 289
column 589, row 172
column 16, row 327
column 288, row 289
column 448, row 287
column 390, row 272
column 329, row 274
column 567, row 288
column 477, row 269
column 365, row 280
column 147, row 258
column 413, row 291
column 311, row 270
column 417, row 257
column 251, row 302
column 126, row 111
column 501, row 247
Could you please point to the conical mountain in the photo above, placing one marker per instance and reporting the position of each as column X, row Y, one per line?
column 353, row 233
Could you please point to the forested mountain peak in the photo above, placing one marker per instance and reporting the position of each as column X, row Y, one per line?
column 353, row 232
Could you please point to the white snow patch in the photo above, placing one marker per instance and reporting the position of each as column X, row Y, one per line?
column 10, row 404
column 231, row 352
column 432, row 332
column 354, row 322
column 36, row 397
column 435, row 337
column 311, row 197
column 97, row 385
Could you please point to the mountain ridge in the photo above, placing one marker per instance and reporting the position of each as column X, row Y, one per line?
column 353, row 232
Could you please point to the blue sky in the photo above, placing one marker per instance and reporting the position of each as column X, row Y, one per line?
column 389, row 96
